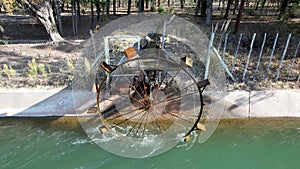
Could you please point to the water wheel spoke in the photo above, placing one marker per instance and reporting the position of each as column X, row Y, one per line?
column 137, row 122
column 126, row 119
column 123, row 114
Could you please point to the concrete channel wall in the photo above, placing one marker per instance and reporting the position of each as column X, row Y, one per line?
column 59, row 102
column 262, row 104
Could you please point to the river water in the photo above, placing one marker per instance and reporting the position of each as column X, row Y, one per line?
column 236, row 144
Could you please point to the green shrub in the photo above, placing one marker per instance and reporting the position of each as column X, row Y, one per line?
column 171, row 10
column 70, row 65
column 42, row 70
column 33, row 69
column 9, row 71
column 161, row 10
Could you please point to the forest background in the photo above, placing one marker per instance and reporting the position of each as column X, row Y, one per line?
column 38, row 37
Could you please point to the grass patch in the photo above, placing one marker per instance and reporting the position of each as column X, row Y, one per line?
column 70, row 65
column 33, row 69
column 42, row 70
column 9, row 71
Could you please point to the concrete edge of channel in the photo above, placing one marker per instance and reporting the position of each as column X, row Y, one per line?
column 59, row 103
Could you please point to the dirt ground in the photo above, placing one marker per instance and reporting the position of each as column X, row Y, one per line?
column 30, row 41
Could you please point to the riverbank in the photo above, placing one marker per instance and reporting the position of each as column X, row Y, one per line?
column 58, row 102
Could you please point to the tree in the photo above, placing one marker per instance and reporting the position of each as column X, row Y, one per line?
column 197, row 7
column 43, row 11
column 92, row 15
column 57, row 11
column 239, row 17
column 78, row 9
column 98, row 9
column 107, row 7
column 203, row 8
column 147, row 4
column 236, row 4
column 62, row 6
column 257, row 4
column 140, row 6
column 74, row 18
column 283, row 6
column 114, row 7
column 129, row 7
column 227, row 9
column 209, row 13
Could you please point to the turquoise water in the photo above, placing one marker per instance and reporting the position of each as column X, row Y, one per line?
column 236, row 144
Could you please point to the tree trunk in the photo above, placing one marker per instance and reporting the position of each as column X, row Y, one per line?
column 44, row 13
column 114, row 7
column 283, row 6
column 58, row 16
column 78, row 9
column 209, row 13
column 74, row 17
column 103, row 6
column 227, row 9
column 197, row 7
column 49, row 22
column 203, row 8
column 158, row 3
column 62, row 6
column 97, row 4
column 239, row 16
column 181, row 4
column 257, row 4
column 223, row 4
column 129, row 7
column 147, row 4
column 140, row 6
column 107, row 7
column 236, row 4
column 92, row 15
